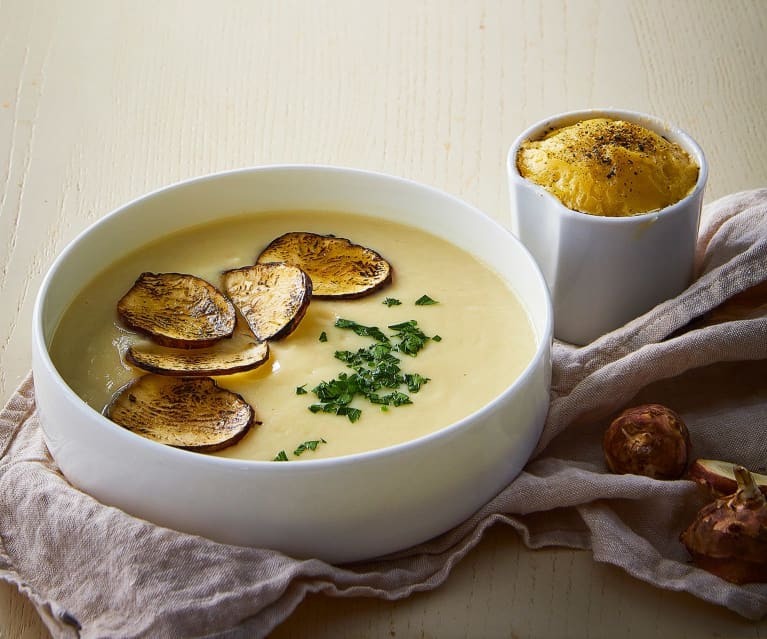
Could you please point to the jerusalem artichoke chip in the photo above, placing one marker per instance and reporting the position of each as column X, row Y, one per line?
column 272, row 298
column 176, row 309
column 193, row 413
column 338, row 268
column 240, row 353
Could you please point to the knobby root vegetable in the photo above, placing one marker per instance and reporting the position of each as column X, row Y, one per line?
column 729, row 536
column 650, row 440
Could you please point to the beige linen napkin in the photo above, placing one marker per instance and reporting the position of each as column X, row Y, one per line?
column 93, row 571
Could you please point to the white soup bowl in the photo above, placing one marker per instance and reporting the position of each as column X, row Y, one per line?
column 340, row 509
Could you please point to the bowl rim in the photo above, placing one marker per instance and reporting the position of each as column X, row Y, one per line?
column 655, row 123
column 542, row 349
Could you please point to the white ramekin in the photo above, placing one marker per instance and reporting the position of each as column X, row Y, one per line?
column 604, row 271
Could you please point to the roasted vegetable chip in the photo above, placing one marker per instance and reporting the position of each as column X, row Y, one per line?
column 176, row 309
column 241, row 353
column 193, row 413
column 338, row 268
column 272, row 298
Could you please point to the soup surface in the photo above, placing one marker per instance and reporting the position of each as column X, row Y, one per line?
column 485, row 336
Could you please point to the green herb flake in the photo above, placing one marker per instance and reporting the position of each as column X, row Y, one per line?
column 308, row 445
column 411, row 338
column 391, row 301
column 425, row 300
column 362, row 330
column 352, row 413
column 281, row 456
column 301, row 390
column 436, row 338
column 396, row 399
column 414, row 382
column 323, row 336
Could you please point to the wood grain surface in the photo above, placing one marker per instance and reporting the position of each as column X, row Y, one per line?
column 102, row 101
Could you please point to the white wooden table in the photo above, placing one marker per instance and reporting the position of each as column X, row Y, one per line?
column 101, row 101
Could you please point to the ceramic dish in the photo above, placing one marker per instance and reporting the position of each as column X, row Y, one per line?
column 605, row 271
column 339, row 509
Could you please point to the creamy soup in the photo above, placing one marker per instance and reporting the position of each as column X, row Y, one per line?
column 485, row 335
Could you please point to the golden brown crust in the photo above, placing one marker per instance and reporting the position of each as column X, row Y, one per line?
column 609, row 167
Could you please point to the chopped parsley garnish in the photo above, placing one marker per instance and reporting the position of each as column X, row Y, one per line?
column 323, row 336
column 352, row 413
column 375, row 374
column 301, row 390
column 412, row 339
column 308, row 445
column 362, row 330
column 425, row 300
column 414, row 381
column 392, row 301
